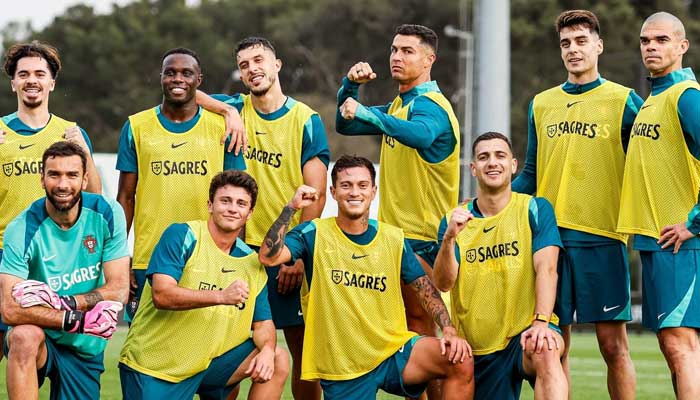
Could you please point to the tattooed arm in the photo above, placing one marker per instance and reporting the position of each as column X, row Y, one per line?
column 431, row 301
column 273, row 251
column 115, row 288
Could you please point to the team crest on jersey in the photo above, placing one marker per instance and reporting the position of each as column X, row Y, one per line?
column 7, row 169
column 90, row 243
column 336, row 276
column 55, row 283
column 552, row 130
column 157, row 167
column 471, row 255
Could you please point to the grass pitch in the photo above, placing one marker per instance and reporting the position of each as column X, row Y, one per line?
column 588, row 371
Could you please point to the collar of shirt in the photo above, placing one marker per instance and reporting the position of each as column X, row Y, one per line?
column 575, row 88
column 409, row 95
column 658, row 85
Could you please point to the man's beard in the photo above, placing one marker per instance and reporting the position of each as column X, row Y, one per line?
column 62, row 207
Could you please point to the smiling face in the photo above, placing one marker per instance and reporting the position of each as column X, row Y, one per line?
column 662, row 46
column 354, row 192
column 33, row 81
column 259, row 68
column 230, row 208
column 63, row 179
column 580, row 49
column 180, row 77
column 493, row 165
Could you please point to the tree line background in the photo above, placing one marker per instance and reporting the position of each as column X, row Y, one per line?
column 111, row 61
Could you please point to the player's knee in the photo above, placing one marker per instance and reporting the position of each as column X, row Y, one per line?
column 281, row 364
column 613, row 349
column 546, row 362
column 464, row 371
column 24, row 340
column 676, row 346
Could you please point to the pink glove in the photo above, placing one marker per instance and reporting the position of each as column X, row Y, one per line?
column 31, row 293
column 101, row 321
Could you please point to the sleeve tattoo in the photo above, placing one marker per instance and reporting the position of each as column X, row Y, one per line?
column 274, row 239
column 92, row 298
column 431, row 301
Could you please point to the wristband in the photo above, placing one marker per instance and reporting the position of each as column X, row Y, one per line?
column 73, row 321
column 69, row 302
column 540, row 317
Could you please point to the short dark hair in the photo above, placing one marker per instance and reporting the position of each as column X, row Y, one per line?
column 571, row 18
column 347, row 161
column 237, row 179
column 425, row 34
column 33, row 49
column 64, row 149
column 491, row 136
column 252, row 41
column 182, row 50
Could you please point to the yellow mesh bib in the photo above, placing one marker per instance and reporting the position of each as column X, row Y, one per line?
column 174, row 345
column 661, row 176
column 494, row 296
column 175, row 170
column 580, row 159
column 274, row 160
column 20, row 180
column 354, row 313
column 416, row 193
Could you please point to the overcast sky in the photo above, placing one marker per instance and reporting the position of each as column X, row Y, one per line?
column 42, row 12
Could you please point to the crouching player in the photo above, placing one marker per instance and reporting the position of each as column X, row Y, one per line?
column 498, row 256
column 205, row 289
column 356, row 340
column 64, row 276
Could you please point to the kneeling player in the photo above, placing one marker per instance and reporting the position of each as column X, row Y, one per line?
column 356, row 340
column 498, row 256
column 72, row 247
column 191, row 331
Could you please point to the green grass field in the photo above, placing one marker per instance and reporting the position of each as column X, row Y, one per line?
column 588, row 371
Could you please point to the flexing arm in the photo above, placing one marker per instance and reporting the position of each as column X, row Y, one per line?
column 167, row 295
column 273, row 250
column 446, row 267
column 263, row 364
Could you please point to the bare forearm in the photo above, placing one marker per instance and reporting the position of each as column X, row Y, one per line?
column 431, row 301
column 546, row 279
column 446, row 269
column 179, row 298
column 94, row 181
column 211, row 104
column 13, row 314
column 264, row 335
column 274, row 239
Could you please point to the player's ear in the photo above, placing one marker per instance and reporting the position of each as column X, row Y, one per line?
column 374, row 191
column 250, row 214
column 85, row 181
column 600, row 46
column 278, row 64
column 514, row 165
column 472, row 168
column 332, row 188
column 52, row 85
column 210, row 206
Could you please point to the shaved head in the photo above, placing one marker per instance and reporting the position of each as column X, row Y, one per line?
column 662, row 16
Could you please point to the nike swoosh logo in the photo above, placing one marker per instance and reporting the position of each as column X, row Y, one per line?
column 646, row 105
column 660, row 315
column 487, row 230
column 226, row 271
column 300, row 313
column 606, row 309
column 175, row 146
column 48, row 258
column 568, row 105
column 401, row 349
column 22, row 147
column 354, row 257
column 260, row 133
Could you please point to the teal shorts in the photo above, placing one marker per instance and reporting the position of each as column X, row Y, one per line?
column 426, row 249
column 386, row 376
column 670, row 289
column 210, row 384
column 285, row 308
column 71, row 376
column 500, row 375
column 594, row 283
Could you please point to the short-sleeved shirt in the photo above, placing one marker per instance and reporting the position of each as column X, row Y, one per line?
column 70, row 261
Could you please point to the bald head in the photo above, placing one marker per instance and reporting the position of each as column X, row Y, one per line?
column 663, row 17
